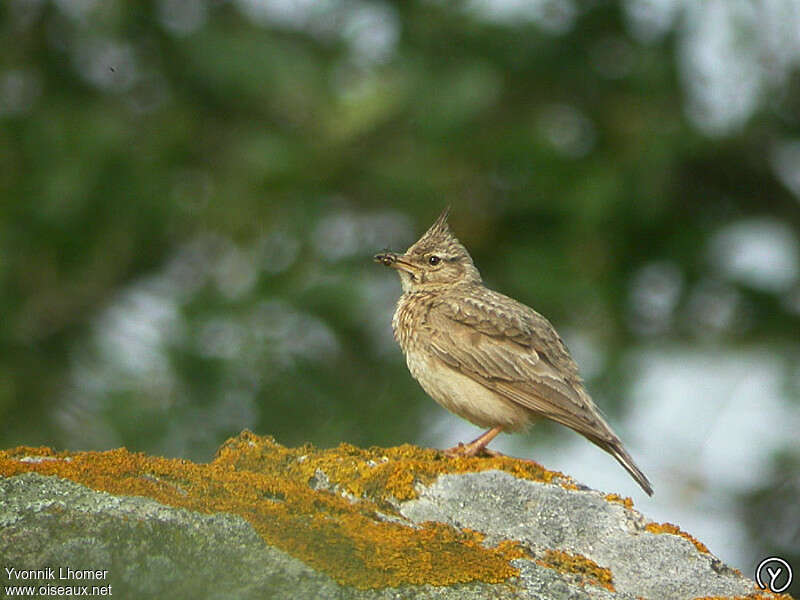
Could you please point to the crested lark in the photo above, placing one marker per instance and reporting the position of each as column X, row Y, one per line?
column 486, row 357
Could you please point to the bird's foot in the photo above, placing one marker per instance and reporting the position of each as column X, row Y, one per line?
column 476, row 446
column 472, row 449
column 469, row 450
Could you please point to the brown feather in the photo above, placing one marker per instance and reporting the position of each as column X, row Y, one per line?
column 526, row 361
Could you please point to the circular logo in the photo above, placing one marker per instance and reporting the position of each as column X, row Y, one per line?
column 774, row 574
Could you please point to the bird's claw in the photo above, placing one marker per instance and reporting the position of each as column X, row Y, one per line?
column 463, row 450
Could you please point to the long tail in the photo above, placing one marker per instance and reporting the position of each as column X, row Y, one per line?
column 617, row 450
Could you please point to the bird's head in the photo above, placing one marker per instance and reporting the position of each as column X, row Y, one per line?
column 437, row 259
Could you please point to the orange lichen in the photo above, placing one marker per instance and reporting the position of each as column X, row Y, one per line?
column 625, row 501
column 380, row 473
column 325, row 507
column 675, row 530
column 588, row 570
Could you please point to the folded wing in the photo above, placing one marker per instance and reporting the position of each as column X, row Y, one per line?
column 514, row 351
column 518, row 355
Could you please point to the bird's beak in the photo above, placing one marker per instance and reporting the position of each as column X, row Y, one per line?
column 392, row 259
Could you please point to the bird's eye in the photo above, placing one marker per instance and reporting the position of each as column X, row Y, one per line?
column 434, row 260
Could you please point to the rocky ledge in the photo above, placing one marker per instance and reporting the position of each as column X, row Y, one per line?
column 265, row 521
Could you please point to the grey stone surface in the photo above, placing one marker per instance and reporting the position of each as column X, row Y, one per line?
column 544, row 517
column 149, row 550
column 155, row 551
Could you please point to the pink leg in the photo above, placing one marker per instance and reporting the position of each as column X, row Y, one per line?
column 477, row 445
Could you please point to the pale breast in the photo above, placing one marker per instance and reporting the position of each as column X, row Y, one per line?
column 453, row 390
column 408, row 318
column 464, row 396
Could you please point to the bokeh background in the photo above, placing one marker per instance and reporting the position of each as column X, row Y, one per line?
column 191, row 192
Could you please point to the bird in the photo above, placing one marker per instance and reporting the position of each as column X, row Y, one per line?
column 484, row 356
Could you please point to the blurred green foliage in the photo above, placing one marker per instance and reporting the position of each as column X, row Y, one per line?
column 190, row 194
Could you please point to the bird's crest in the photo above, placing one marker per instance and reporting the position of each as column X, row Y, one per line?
column 438, row 235
column 440, row 225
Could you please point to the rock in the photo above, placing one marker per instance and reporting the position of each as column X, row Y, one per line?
column 264, row 521
column 149, row 550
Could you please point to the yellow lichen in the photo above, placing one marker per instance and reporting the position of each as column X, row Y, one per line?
column 337, row 528
column 626, row 501
column 675, row 530
column 588, row 570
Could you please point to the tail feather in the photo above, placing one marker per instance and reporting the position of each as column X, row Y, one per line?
column 617, row 450
column 603, row 436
